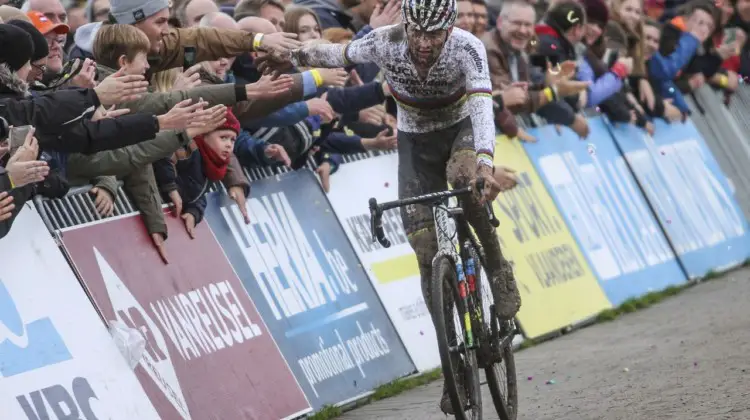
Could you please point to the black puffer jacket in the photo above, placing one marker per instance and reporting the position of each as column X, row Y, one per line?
column 59, row 118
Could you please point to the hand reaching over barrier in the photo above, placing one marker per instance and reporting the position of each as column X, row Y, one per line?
column 119, row 87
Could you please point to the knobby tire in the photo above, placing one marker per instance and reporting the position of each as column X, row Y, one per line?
column 444, row 279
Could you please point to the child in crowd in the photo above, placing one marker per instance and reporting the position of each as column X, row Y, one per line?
column 185, row 177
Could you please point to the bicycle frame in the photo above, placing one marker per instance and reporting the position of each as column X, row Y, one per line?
column 454, row 239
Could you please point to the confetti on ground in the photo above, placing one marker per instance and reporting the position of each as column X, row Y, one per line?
column 626, row 370
column 386, row 185
column 551, row 382
column 695, row 364
column 529, row 378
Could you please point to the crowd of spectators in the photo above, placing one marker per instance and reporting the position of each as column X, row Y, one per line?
column 162, row 96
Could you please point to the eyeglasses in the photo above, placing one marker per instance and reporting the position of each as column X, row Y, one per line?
column 42, row 68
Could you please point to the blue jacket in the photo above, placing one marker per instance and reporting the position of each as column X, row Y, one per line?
column 601, row 88
column 662, row 70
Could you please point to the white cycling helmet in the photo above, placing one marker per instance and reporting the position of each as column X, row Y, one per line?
column 429, row 15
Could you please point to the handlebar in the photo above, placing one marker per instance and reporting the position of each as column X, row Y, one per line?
column 377, row 210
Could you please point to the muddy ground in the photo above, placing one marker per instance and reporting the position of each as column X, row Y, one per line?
column 687, row 357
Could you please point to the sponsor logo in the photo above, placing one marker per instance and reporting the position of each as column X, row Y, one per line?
column 156, row 360
column 26, row 345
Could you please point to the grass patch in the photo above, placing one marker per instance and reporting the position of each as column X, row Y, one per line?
column 327, row 412
column 526, row 344
column 643, row 302
column 400, row 385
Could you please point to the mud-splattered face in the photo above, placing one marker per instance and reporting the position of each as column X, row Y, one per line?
column 425, row 47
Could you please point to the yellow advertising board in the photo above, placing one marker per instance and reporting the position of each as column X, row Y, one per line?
column 556, row 283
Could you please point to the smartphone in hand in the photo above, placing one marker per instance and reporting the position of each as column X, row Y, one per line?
column 188, row 57
column 17, row 137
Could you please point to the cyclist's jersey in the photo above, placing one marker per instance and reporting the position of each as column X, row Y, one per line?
column 457, row 86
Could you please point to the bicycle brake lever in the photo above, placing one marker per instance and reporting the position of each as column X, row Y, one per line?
column 487, row 206
column 376, row 224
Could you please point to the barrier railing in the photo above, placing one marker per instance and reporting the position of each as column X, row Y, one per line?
column 307, row 311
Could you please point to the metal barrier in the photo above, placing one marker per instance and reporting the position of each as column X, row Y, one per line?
column 77, row 207
column 726, row 137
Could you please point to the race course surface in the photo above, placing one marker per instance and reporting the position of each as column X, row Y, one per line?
column 687, row 357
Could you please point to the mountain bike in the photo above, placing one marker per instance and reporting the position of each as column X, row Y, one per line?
column 477, row 338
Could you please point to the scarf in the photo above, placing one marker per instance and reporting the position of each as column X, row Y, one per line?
column 214, row 167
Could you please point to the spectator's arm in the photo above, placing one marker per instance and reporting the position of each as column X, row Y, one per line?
column 334, row 159
column 95, row 136
column 141, row 187
column 197, row 208
column 49, row 112
column 20, row 196
column 506, row 121
column 126, row 160
column 235, row 177
column 250, row 151
column 108, row 183
column 210, row 44
column 166, row 175
column 161, row 102
column 257, row 108
column 666, row 68
column 601, row 88
column 342, row 143
column 353, row 99
column 289, row 115
column 558, row 113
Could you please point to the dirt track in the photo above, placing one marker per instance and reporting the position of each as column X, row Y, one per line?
column 687, row 358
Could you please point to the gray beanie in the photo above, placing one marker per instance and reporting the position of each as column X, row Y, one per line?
column 133, row 11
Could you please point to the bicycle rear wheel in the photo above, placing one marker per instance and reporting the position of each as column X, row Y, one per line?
column 459, row 362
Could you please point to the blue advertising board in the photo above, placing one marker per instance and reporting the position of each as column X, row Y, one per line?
column 606, row 212
column 689, row 193
column 311, row 290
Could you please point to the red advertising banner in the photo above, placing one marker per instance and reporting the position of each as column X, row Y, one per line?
column 208, row 353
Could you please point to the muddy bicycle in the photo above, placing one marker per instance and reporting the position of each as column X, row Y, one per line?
column 475, row 338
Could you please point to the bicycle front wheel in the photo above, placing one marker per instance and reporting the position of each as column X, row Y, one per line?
column 497, row 355
column 460, row 368
column 501, row 377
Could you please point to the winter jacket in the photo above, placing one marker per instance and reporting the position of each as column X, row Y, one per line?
column 664, row 68
column 58, row 122
column 210, row 44
column 184, row 173
column 602, row 87
column 20, row 196
column 703, row 60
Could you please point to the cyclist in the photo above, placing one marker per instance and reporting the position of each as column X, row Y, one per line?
column 439, row 77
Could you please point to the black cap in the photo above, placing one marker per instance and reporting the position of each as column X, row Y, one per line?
column 16, row 47
column 41, row 49
column 565, row 15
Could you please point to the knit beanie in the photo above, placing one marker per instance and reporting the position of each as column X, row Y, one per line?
column 8, row 13
column 16, row 47
column 565, row 15
column 41, row 49
column 596, row 11
column 133, row 11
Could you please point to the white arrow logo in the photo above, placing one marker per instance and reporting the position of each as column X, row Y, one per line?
column 161, row 371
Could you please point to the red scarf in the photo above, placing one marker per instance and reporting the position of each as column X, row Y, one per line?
column 214, row 167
